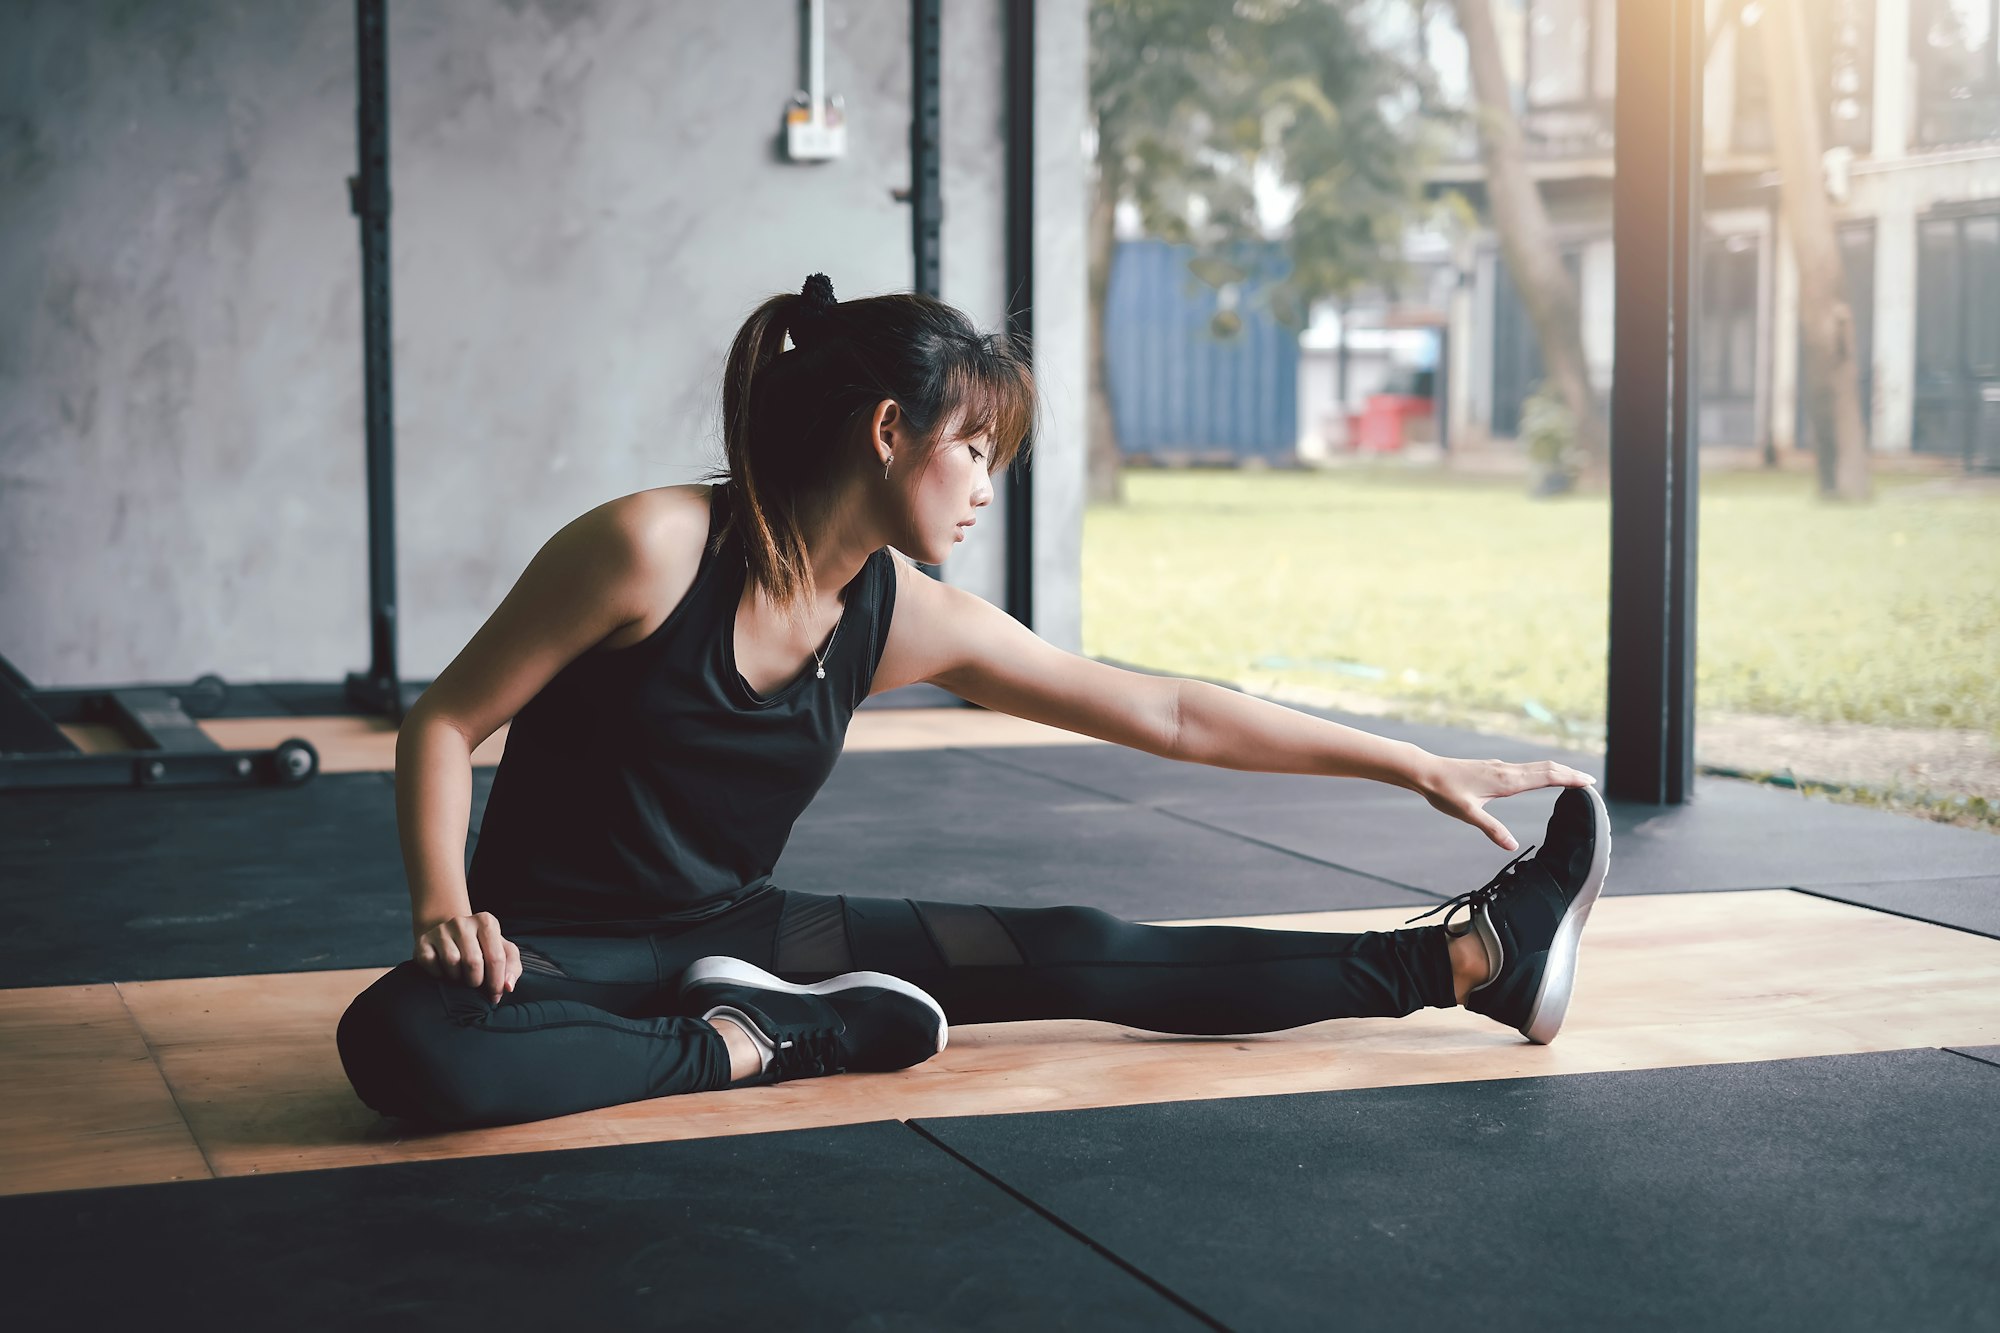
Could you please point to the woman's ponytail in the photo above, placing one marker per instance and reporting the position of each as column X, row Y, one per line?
column 789, row 416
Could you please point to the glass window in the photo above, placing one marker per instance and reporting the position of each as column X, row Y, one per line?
column 1982, row 274
column 1728, row 343
column 1956, row 412
column 1841, row 36
column 1572, row 52
column 1958, row 73
column 1604, row 78
column 1937, row 301
column 1844, row 47
column 1559, row 63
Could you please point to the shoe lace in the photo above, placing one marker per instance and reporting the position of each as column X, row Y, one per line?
column 1483, row 896
column 808, row 1053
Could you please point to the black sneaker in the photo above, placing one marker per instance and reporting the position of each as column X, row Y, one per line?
column 863, row 1021
column 1530, row 917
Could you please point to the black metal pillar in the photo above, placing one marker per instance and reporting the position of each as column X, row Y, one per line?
column 1020, row 77
column 378, row 689
column 1656, row 229
column 926, row 151
column 926, row 157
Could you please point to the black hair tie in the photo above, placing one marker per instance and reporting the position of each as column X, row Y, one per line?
column 812, row 313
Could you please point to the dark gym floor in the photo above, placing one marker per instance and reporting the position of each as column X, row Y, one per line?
column 1836, row 1191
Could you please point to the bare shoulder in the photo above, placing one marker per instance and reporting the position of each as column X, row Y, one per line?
column 669, row 514
column 607, row 579
column 661, row 532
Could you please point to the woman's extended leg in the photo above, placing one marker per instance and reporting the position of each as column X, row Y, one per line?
column 1079, row 962
column 1513, row 960
column 998, row 964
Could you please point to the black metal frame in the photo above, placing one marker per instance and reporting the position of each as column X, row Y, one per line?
column 165, row 745
column 1657, row 230
column 926, row 145
column 1020, row 79
column 926, row 159
column 378, row 689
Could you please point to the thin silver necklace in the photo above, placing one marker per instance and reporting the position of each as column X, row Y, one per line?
column 821, row 657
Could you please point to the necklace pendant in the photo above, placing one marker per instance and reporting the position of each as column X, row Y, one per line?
column 821, row 673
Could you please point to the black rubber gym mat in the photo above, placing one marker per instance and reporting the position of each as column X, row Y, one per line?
column 942, row 824
column 859, row 1227
column 1843, row 1192
column 135, row 885
column 1128, row 860
column 1969, row 903
column 132, row 885
column 1732, row 835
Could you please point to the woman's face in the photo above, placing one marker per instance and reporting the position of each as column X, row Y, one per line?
column 953, row 489
column 944, row 496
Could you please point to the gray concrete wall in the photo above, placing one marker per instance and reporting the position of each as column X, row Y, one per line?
column 588, row 201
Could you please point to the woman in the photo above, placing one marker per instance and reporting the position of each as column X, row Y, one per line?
column 680, row 666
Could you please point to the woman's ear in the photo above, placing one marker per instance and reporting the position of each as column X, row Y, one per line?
column 888, row 420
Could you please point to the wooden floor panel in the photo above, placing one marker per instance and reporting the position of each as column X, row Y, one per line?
column 1664, row 980
column 368, row 744
column 84, row 1103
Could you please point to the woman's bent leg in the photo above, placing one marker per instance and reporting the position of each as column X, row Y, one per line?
column 1000, row 964
column 438, row 1051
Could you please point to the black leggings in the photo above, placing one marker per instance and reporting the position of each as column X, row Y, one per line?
column 593, row 1020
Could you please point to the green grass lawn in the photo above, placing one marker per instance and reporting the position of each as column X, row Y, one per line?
column 1432, row 587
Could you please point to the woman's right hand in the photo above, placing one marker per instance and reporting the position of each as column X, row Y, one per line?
column 471, row 951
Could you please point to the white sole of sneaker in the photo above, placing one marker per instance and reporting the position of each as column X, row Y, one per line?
column 1545, row 1018
column 738, row 972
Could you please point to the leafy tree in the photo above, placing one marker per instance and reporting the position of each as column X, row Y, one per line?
column 1527, row 239
column 1190, row 96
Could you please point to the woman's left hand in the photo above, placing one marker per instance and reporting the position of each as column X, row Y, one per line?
column 1461, row 788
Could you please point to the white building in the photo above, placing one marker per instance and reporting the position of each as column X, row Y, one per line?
column 1911, row 101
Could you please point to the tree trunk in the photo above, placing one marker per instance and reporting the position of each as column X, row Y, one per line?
column 1104, row 484
column 1826, row 325
column 1527, row 240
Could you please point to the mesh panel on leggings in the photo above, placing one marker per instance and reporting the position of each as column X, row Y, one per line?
column 967, row 935
column 812, row 936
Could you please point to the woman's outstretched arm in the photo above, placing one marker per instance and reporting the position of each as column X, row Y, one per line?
column 964, row 643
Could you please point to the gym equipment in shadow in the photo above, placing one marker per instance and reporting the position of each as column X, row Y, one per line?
column 168, row 748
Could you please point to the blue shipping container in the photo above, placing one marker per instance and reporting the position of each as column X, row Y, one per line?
column 1174, row 386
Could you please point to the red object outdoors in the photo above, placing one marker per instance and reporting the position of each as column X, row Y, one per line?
column 1382, row 426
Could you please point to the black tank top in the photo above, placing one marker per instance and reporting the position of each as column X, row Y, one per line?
column 649, row 784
